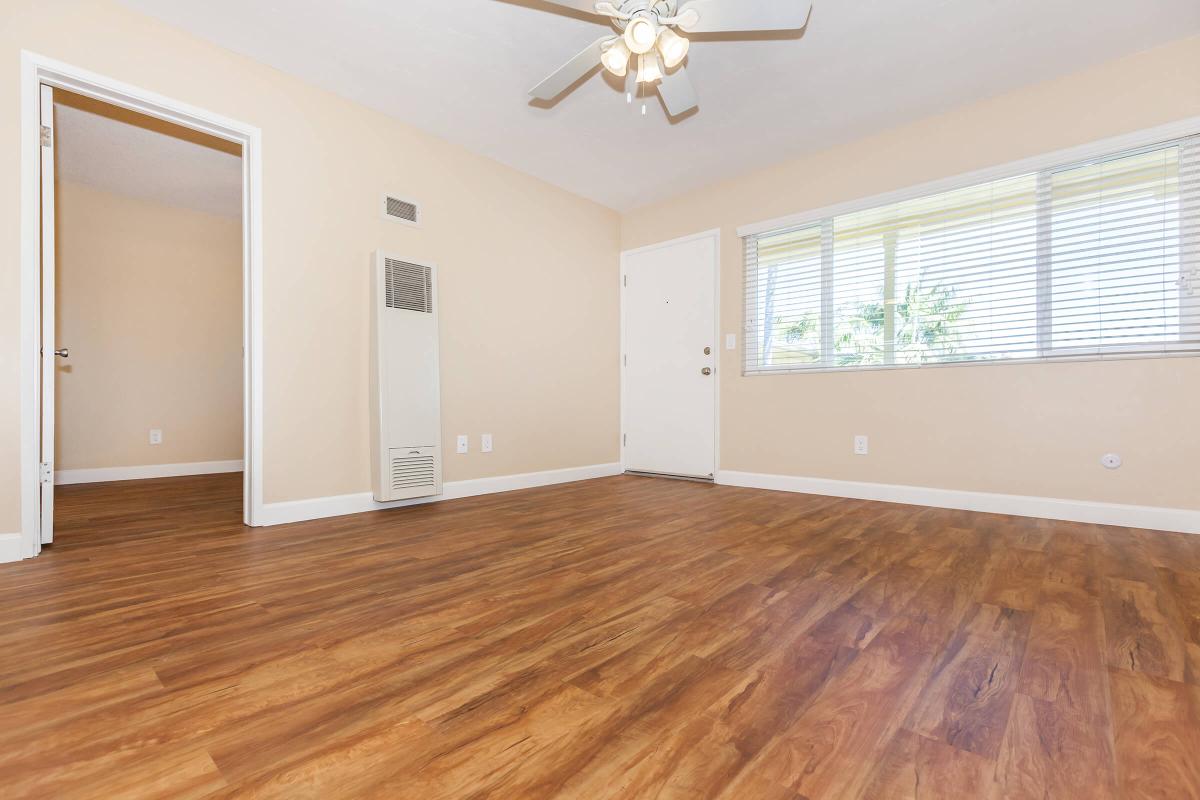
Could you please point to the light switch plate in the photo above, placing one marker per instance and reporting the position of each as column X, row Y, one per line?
column 731, row 341
column 464, row 444
column 485, row 443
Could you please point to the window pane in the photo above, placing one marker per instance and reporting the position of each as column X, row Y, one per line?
column 967, row 275
column 1115, row 252
column 949, row 277
column 859, row 292
column 788, row 298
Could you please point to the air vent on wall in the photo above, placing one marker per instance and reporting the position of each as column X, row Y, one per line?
column 413, row 472
column 408, row 286
column 400, row 210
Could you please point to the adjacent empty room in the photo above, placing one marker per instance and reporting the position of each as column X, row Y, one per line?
column 691, row 399
column 146, row 309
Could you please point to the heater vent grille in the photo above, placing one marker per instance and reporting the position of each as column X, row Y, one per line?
column 408, row 286
column 413, row 472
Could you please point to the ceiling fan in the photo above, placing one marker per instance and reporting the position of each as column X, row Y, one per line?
column 646, row 30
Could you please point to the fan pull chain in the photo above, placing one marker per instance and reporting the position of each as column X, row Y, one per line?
column 642, row 86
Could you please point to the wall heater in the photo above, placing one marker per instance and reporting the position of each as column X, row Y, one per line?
column 406, row 418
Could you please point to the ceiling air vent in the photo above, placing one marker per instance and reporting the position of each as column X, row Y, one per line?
column 399, row 210
column 407, row 286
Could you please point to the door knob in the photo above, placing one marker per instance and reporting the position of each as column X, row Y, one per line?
column 706, row 371
column 708, row 351
column 63, row 353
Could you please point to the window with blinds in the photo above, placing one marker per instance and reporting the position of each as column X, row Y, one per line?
column 1093, row 259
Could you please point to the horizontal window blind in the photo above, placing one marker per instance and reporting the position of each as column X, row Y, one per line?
column 1084, row 260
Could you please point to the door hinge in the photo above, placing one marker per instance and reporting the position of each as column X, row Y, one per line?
column 624, row 280
column 625, row 440
column 47, row 472
column 47, row 136
column 625, row 360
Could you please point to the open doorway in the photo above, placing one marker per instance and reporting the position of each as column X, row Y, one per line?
column 41, row 78
column 142, row 284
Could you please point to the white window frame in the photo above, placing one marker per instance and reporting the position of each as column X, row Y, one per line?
column 1043, row 166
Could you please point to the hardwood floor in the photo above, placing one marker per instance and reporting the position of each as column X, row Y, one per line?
column 625, row 637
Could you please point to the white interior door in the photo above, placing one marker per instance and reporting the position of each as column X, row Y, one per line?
column 669, row 387
column 46, row 400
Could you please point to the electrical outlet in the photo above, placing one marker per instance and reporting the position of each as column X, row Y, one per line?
column 463, row 444
column 155, row 436
column 861, row 446
column 485, row 443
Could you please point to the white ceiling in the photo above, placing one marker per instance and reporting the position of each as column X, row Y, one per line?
column 460, row 69
column 145, row 162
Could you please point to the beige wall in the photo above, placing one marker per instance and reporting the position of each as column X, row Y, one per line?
column 150, row 305
column 529, row 312
column 1033, row 429
column 520, row 260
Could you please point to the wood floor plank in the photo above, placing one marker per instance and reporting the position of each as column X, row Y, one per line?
column 1054, row 753
column 761, row 706
column 1157, row 735
column 967, row 700
column 914, row 767
column 1183, row 587
column 822, row 754
column 613, row 762
column 1122, row 554
column 1014, row 579
column 1191, row 671
column 860, row 619
column 1172, row 550
column 619, row 638
column 1143, row 630
column 1064, row 659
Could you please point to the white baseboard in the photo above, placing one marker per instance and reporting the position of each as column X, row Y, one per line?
column 10, row 547
column 100, row 474
column 340, row 505
column 1152, row 517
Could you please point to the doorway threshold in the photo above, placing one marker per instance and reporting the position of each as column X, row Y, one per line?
column 668, row 476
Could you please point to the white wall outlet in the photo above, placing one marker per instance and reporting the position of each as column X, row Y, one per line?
column 464, row 444
column 1111, row 461
column 731, row 341
column 485, row 443
column 155, row 436
column 861, row 446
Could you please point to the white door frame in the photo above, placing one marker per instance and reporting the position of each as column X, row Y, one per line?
column 715, row 235
column 37, row 70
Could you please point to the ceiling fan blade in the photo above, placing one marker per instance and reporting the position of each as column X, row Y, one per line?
column 586, row 6
column 677, row 92
column 570, row 72
column 718, row 16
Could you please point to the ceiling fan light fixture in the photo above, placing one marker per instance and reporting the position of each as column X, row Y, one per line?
column 616, row 58
column 640, row 35
column 657, row 31
column 674, row 48
column 649, row 70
